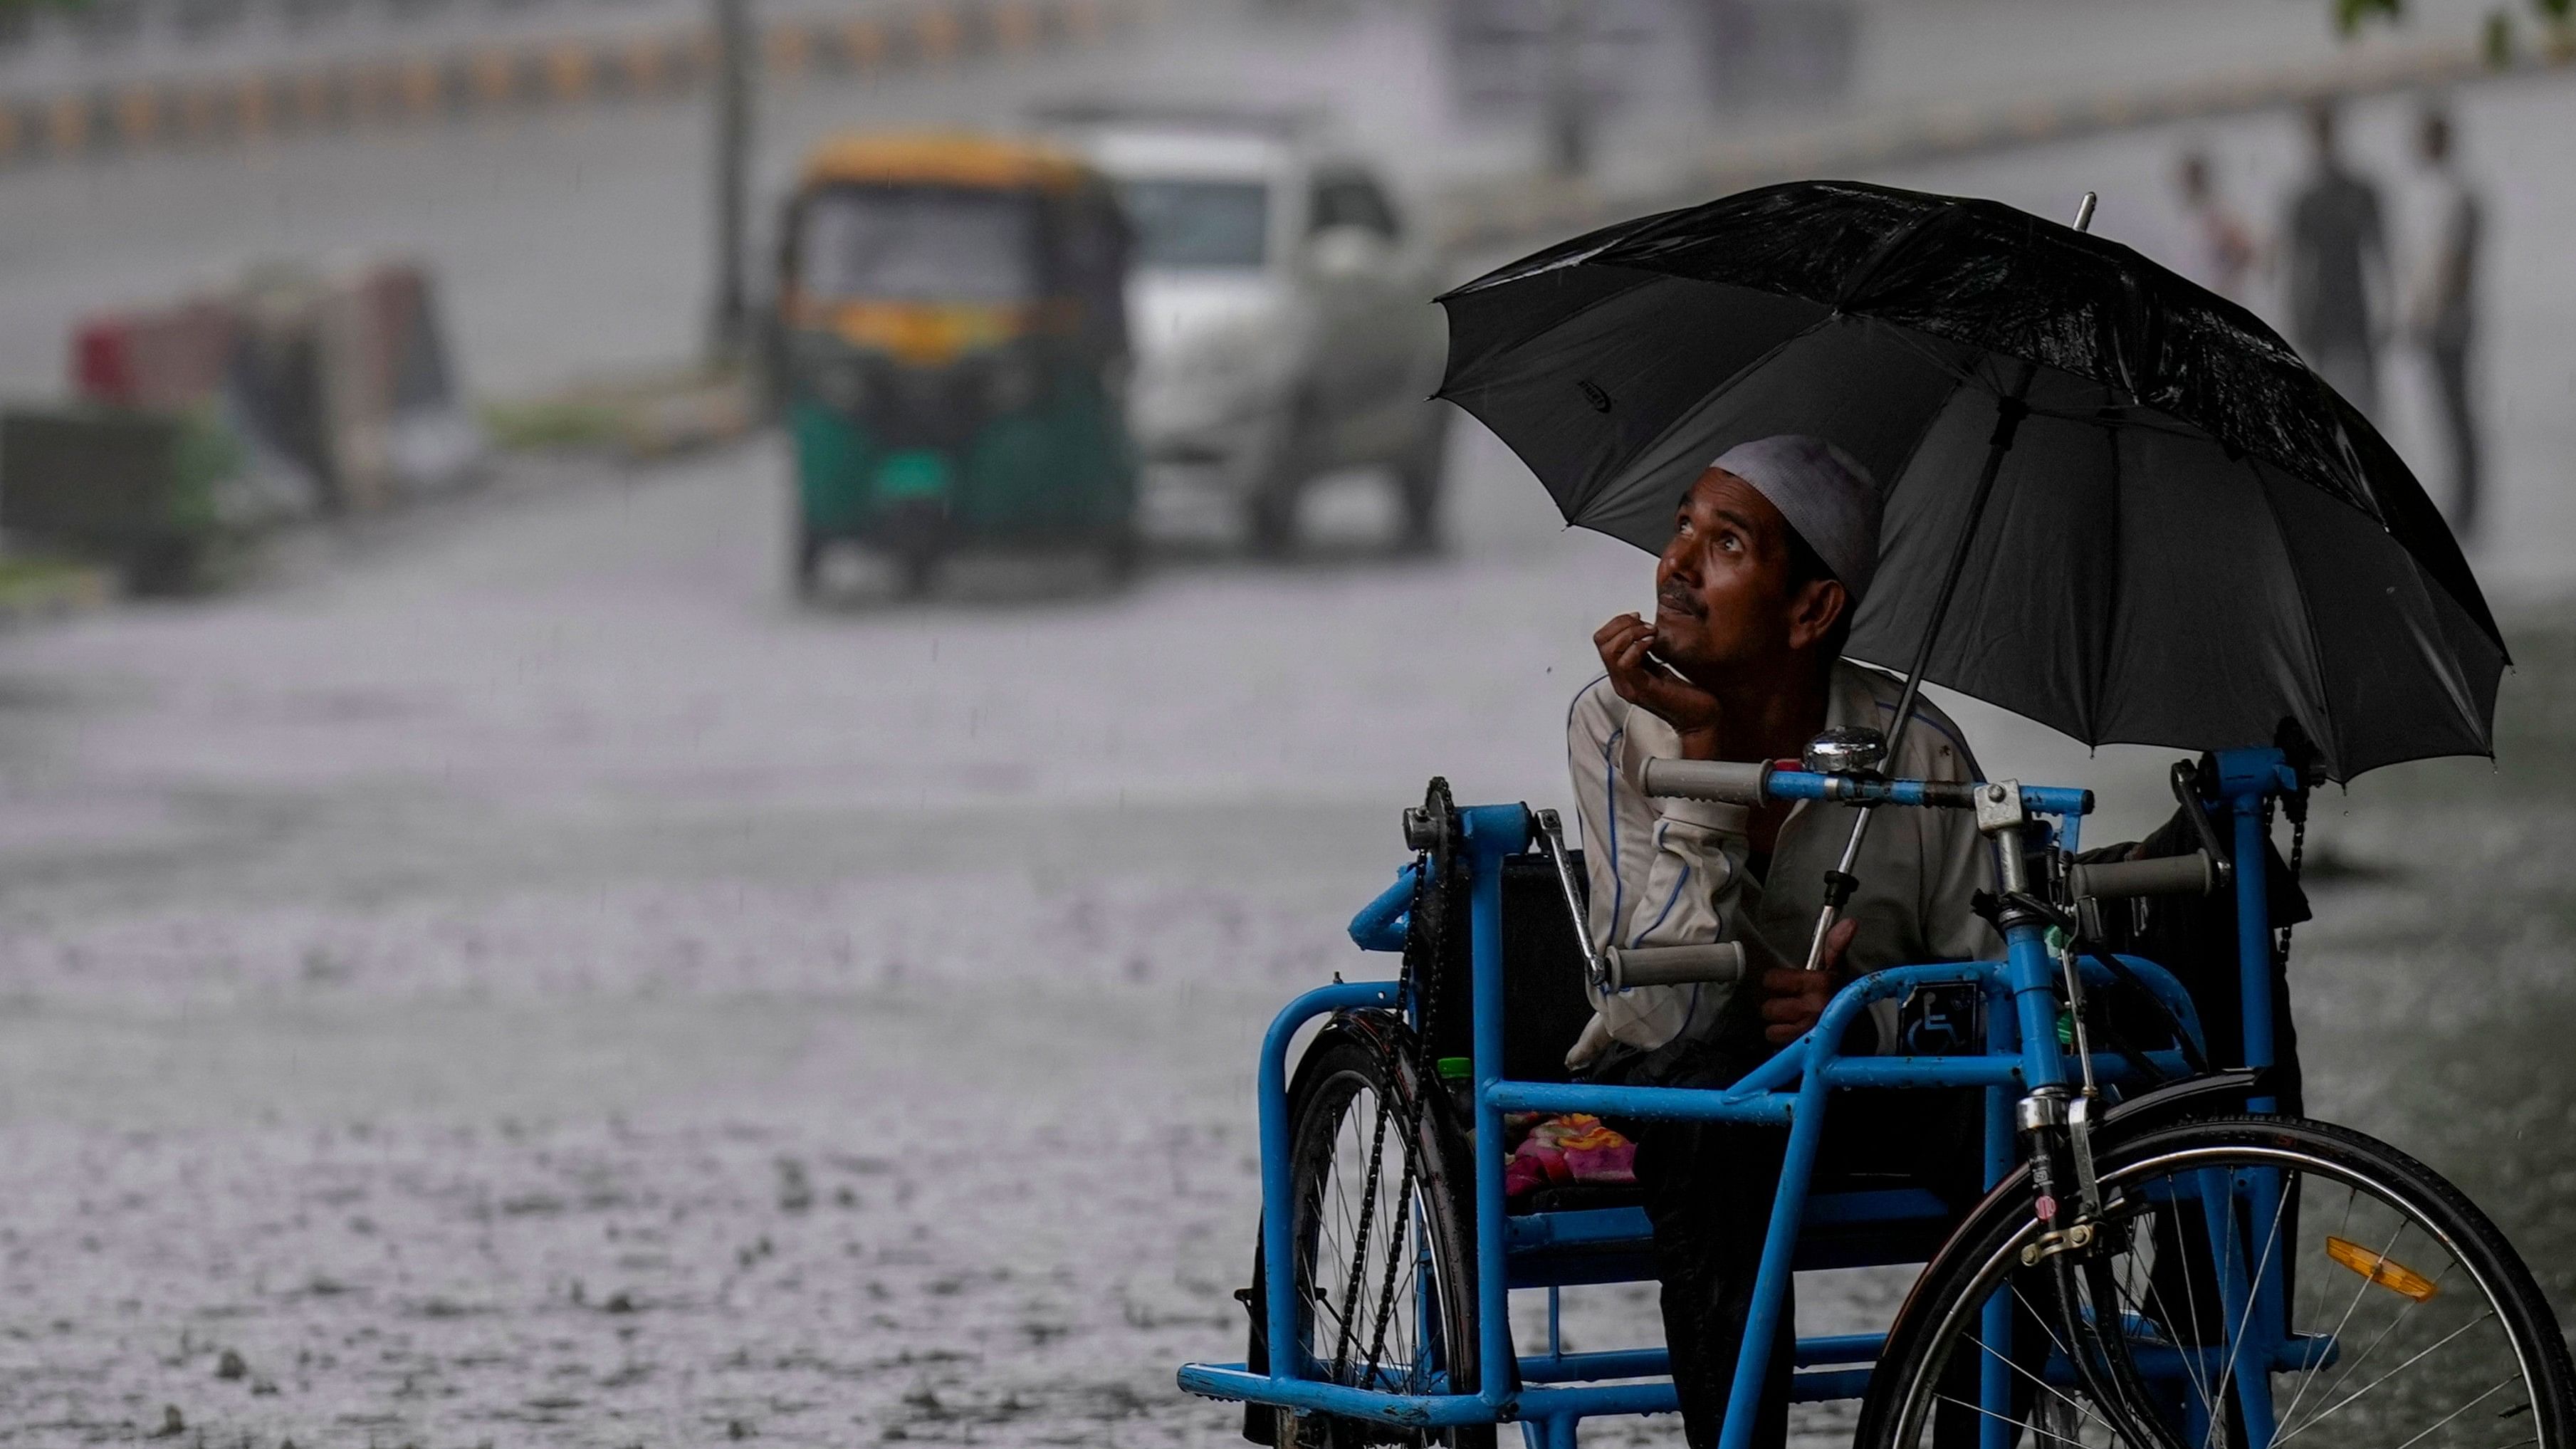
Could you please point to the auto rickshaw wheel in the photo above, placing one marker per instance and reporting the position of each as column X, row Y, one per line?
column 1273, row 518
column 806, row 562
column 1121, row 552
column 1418, row 488
column 916, row 572
column 1280, row 476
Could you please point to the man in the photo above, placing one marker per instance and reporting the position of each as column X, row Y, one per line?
column 2221, row 249
column 2337, row 251
column 1772, row 550
column 2443, row 306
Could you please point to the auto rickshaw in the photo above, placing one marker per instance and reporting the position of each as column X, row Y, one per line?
column 951, row 352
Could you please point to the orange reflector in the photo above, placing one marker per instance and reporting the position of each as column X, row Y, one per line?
column 2387, row 1272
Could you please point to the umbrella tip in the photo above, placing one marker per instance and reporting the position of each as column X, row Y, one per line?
column 2084, row 212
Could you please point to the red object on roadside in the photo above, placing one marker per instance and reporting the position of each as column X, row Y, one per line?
column 170, row 357
column 103, row 360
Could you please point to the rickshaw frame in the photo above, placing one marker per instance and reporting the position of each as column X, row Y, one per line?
column 1548, row 1393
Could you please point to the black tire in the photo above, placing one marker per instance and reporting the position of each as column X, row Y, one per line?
column 1121, row 553
column 805, row 562
column 1270, row 520
column 1357, row 1063
column 1270, row 513
column 2331, row 1178
column 1418, row 489
column 916, row 573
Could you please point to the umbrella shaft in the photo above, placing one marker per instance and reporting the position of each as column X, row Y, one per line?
column 2008, row 416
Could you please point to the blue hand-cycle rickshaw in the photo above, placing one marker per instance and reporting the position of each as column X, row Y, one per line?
column 2163, row 1258
column 2160, row 1260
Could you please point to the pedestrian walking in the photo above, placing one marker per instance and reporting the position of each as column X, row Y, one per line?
column 2441, row 305
column 2221, row 250
column 2337, row 252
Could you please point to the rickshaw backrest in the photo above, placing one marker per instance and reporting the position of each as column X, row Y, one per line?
column 1544, row 1005
column 2195, row 939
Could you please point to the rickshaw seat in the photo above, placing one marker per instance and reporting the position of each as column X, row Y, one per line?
column 1856, row 1228
column 1858, row 1222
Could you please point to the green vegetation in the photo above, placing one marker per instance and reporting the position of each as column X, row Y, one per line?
column 555, row 423
column 2556, row 18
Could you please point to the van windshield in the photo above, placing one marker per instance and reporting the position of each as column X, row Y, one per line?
column 919, row 244
column 1195, row 224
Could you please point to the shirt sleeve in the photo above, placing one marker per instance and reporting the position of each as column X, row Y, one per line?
column 1685, row 890
column 1662, row 872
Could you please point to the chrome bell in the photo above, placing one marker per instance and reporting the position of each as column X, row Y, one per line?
column 1852, row 750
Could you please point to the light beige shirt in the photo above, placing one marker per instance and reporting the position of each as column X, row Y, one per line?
column 1672, row 872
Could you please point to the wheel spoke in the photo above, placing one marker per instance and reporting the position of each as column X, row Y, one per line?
column 2191, row 1363
column 2290, row 1415
column 2455, row 1413
column 1983, row 1411
column 2236, row 1340
column 2383, row 1378
column 1359, row 1250
column 2382, row 1337
column 2044, row 1385
column 2360, row 1291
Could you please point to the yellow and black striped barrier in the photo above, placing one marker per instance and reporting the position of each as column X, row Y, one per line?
column 1506, row 213
column 339, row 96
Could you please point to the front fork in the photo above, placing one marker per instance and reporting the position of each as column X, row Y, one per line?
column 2079, row 1236
column 2077, row 1228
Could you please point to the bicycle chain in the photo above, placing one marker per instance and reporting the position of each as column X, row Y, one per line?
column 2298, row 859
column 1425, row 947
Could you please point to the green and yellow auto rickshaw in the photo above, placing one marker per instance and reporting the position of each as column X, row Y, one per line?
column 952, row 352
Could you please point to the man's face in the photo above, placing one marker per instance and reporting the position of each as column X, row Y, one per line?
column 1722, row 594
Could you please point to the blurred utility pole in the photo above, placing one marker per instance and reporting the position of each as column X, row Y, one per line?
column 1567, row 109
column 736, row 54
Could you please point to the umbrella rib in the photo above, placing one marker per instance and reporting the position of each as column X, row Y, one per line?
column 1574, row 506
column 2100, row 684
column 1959, row 382
column 2307, row 618
column 1503, row 350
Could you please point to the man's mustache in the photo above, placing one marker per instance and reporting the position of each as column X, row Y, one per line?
column 1677, row 597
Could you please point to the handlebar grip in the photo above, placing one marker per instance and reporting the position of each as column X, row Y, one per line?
column 2172, row 875
column 1717, row 964
column 1729, row 781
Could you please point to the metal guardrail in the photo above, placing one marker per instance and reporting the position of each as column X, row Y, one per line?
column 338, row 95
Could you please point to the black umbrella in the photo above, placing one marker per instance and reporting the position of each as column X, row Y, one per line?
column 2160, row 526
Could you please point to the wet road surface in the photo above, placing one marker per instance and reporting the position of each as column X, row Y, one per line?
column 512, row 977
column 515, row 978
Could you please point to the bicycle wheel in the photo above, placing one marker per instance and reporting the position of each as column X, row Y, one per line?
column 2407, row 1321
column 1384, row 1262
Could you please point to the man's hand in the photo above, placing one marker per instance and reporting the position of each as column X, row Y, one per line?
column 1794, row 997
column 1626, row 644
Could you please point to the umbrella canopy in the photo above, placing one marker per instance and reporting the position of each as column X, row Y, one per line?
column 2189, row 538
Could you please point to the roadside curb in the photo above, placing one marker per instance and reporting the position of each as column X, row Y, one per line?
column 36, row 590
column 339, row 96
column 1507, row 212
column 637, row 419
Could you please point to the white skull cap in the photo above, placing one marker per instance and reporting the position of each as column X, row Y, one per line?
column 1826, row 495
